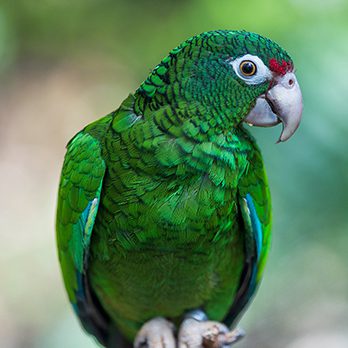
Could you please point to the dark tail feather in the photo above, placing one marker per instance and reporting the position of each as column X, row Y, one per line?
column 116, row 340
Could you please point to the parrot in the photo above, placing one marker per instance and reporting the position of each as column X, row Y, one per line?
column 163, row 221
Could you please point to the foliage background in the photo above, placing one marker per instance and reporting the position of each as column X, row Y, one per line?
column 65, row 63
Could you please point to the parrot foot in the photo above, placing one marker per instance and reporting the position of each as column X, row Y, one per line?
column 156, row 333
column 206, row 334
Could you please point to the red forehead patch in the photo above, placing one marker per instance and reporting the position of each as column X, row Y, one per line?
column 280, row 68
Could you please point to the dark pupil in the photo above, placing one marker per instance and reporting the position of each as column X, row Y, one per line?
column 248, row 68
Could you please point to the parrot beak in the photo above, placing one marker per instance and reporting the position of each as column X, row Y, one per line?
column 281, row 103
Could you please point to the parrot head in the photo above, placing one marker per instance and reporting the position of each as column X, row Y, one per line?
column 268, row 68
column 231, row 77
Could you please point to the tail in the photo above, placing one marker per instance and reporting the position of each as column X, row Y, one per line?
column 116, row 340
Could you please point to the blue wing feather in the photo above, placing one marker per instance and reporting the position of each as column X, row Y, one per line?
column 256, row 225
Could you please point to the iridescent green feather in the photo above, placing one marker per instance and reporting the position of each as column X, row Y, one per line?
column 78, row 200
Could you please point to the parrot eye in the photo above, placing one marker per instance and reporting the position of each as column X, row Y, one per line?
column 247, row 68
column 251, row 69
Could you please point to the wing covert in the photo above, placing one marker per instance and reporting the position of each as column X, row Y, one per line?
column 255, row 211
column 78, row 200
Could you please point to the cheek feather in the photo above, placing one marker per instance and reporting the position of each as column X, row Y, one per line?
column 280, row 68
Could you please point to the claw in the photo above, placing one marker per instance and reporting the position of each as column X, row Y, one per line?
column 155, row 333
column 219, row 339
column 206, row 334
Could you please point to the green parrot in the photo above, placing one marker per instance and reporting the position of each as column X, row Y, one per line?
column 164, row 214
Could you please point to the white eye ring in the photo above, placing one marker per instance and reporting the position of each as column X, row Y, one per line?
column 261, row 75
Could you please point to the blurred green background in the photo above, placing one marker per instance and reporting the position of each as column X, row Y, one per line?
column 65, row 63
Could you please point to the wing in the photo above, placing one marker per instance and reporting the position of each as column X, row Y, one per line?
column 78, row 200
column 255, row 210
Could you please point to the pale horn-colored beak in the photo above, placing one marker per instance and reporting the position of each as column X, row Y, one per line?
column 281, row 103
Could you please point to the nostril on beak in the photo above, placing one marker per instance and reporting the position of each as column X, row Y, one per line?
column 288, row 80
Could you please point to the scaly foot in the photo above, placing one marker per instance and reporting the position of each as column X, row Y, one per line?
column 198, row 332
column 155, row 333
